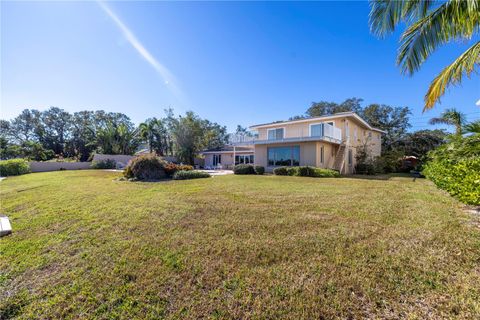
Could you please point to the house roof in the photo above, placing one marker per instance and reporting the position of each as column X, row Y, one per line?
column 333, row 116
column 228, row 149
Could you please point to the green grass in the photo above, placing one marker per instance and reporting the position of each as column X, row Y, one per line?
column 235, row 247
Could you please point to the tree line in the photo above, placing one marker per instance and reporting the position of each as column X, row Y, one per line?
column 44, row 135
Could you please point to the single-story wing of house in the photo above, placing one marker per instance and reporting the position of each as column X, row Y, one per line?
column 223, row 158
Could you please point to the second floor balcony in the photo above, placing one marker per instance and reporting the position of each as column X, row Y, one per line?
column 312, row 132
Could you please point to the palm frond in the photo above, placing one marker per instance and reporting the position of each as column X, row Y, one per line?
column 472, row 127
column 440, row 121
column 454, row 19
column 386, row 14
column 452, row 75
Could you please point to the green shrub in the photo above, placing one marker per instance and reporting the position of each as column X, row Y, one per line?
column 171, row 168
column 104, row 164
column 259, row 170
column 292, row 171
column 326, row 173
column 280, row 171
column 146, row 167
column 455, row 167
column 306, row 171
column 190, row 174
column 14, row 167
column 243, row 169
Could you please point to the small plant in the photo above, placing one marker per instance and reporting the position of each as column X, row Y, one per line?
column 146, row 167
column 326, row 173
column 14, row 167
column 171, row 168
column 243, row 169
column 259, row 170
column 280, row 171
column 104, row 164
column 190, row 174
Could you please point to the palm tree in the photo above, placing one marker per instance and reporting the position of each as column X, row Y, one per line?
column 472, row 127
column 153, row 131
column 451, row 117
column 430, row 24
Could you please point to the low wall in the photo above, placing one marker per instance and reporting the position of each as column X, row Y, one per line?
column 121, row 159
column 40, row 166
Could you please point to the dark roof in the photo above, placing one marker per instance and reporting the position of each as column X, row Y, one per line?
column 229, row 148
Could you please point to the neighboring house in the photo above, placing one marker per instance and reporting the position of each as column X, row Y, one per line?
column 223, row 157
column 324, row 142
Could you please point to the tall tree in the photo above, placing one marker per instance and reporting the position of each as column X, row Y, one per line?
column 187, row 133
column 451, row 117
column 56, row 129
column 25, row 126
column 154, row 132
column 325, row 108
column 430, row 24
column 393, row 120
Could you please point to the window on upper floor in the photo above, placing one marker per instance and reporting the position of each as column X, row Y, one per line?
column 276, row 134
column 316, row 130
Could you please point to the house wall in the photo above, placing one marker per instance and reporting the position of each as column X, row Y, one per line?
column 227, row 159
column 308, row 154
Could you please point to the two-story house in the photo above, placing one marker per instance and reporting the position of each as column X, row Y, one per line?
column 324, row 142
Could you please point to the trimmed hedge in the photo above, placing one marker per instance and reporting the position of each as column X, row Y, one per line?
column 306, row 171
column 190, row 174
column 14, row 167
column 243, row 169
column 455, row 167
column 326, row 173
column 280, row 171
column 104, row 164
column 146, row 167
column 259, row 170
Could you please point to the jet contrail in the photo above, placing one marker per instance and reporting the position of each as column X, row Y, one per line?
column 166, row 75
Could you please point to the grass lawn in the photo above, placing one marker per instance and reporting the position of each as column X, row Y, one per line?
column 235, row 247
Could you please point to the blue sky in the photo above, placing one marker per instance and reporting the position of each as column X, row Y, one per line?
column 232, row 63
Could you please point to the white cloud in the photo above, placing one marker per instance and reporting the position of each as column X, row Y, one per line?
column 168, row 78
column 478, row 103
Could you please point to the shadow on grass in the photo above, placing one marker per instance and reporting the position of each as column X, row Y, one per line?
column 382, row 176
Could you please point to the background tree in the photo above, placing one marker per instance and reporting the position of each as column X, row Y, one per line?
column 56, row 126
column 154, row 132
column 24, row 127
column 419, row 143
column 451, row 117
column 430, row 24
column 187, row 132
column 392, row 120
column 325, row 108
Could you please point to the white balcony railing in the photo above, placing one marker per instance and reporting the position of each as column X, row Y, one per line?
column 327, row 132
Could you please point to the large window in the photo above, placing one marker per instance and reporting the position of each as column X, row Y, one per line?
column 244, row 159
column 275, row 134
column 284, row 156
